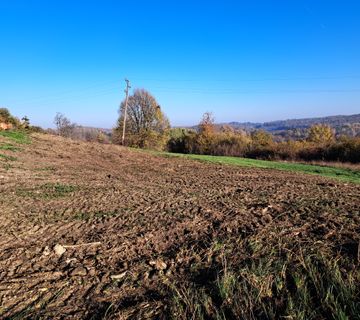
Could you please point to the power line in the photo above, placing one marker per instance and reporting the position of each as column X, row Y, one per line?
column 86, row 93
column 111, row 91
column 83, row 90
column 125, row 109
column 265, row 79
column 170, row 90
column 108, row 91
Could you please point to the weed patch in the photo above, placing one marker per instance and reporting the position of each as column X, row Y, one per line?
column 17, row 136
column 9, row 147
column 6, row 157
column 48, row 191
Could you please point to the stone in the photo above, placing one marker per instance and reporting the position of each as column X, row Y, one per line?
column 118, row 276
column 79, row 271
column 59, row 250
column 46, row 251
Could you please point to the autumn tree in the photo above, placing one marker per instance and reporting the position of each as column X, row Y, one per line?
column 206, row 125
column 206, row 134
column 146, row 124
column 227, row 130
column 262, row 138
column 321, row 134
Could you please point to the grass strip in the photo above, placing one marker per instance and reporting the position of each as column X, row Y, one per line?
column 342, row 174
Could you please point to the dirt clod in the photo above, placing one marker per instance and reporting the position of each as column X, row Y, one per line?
column 158, row 264
column 79, row 271
column 47, row 251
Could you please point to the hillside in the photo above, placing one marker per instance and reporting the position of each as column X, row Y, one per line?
column 295, row 128
column 334, row 121
column 349, row 124
column 92, row 231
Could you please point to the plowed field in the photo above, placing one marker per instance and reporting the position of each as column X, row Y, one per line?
column 91, row 231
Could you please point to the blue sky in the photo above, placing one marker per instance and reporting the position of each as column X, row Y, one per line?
column 242, row 60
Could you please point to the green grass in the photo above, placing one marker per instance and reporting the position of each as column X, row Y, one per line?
column 17, row 136
column 5, row 157
column 48, row 191
column 8, row 146
column 13, row 136
column 58, row 188
column 343, row 174
column 300, row 285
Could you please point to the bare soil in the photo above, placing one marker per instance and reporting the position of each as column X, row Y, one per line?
column 85, row 227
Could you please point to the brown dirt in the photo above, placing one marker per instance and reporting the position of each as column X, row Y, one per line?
column 130, row 222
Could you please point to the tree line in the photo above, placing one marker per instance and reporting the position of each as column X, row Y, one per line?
column 147, row 126
column 320, row 143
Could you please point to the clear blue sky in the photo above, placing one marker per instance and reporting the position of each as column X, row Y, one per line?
column 243, row 60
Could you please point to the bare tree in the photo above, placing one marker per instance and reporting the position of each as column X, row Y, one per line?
column 64, row 126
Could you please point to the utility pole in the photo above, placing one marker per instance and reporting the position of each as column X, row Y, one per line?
column 125, row 109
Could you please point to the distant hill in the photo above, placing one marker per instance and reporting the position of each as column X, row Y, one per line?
column 295, row 128
column 104, row 130
column 334, row 121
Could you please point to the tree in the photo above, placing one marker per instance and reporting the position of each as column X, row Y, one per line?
column 321, row 134
column 262, row 138
column 25, row 122
column 206, row 125
column 146, row 124
column 206, row 135
column 227, row 130
column 64, row 126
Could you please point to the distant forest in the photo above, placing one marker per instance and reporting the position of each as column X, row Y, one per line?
column 296, row 128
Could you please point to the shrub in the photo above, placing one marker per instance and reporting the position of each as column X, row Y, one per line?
column 181, row 140
column 344, row 150
column 5, row 116
column 231, row 144
column 320, row 145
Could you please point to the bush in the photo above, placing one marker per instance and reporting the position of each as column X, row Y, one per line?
column 181, row 140
column 5, row 116
column 344, row 150
column 320, row 146
column 36, row 129
column 230, row 145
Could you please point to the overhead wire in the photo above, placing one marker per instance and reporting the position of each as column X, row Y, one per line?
column 98, row 89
